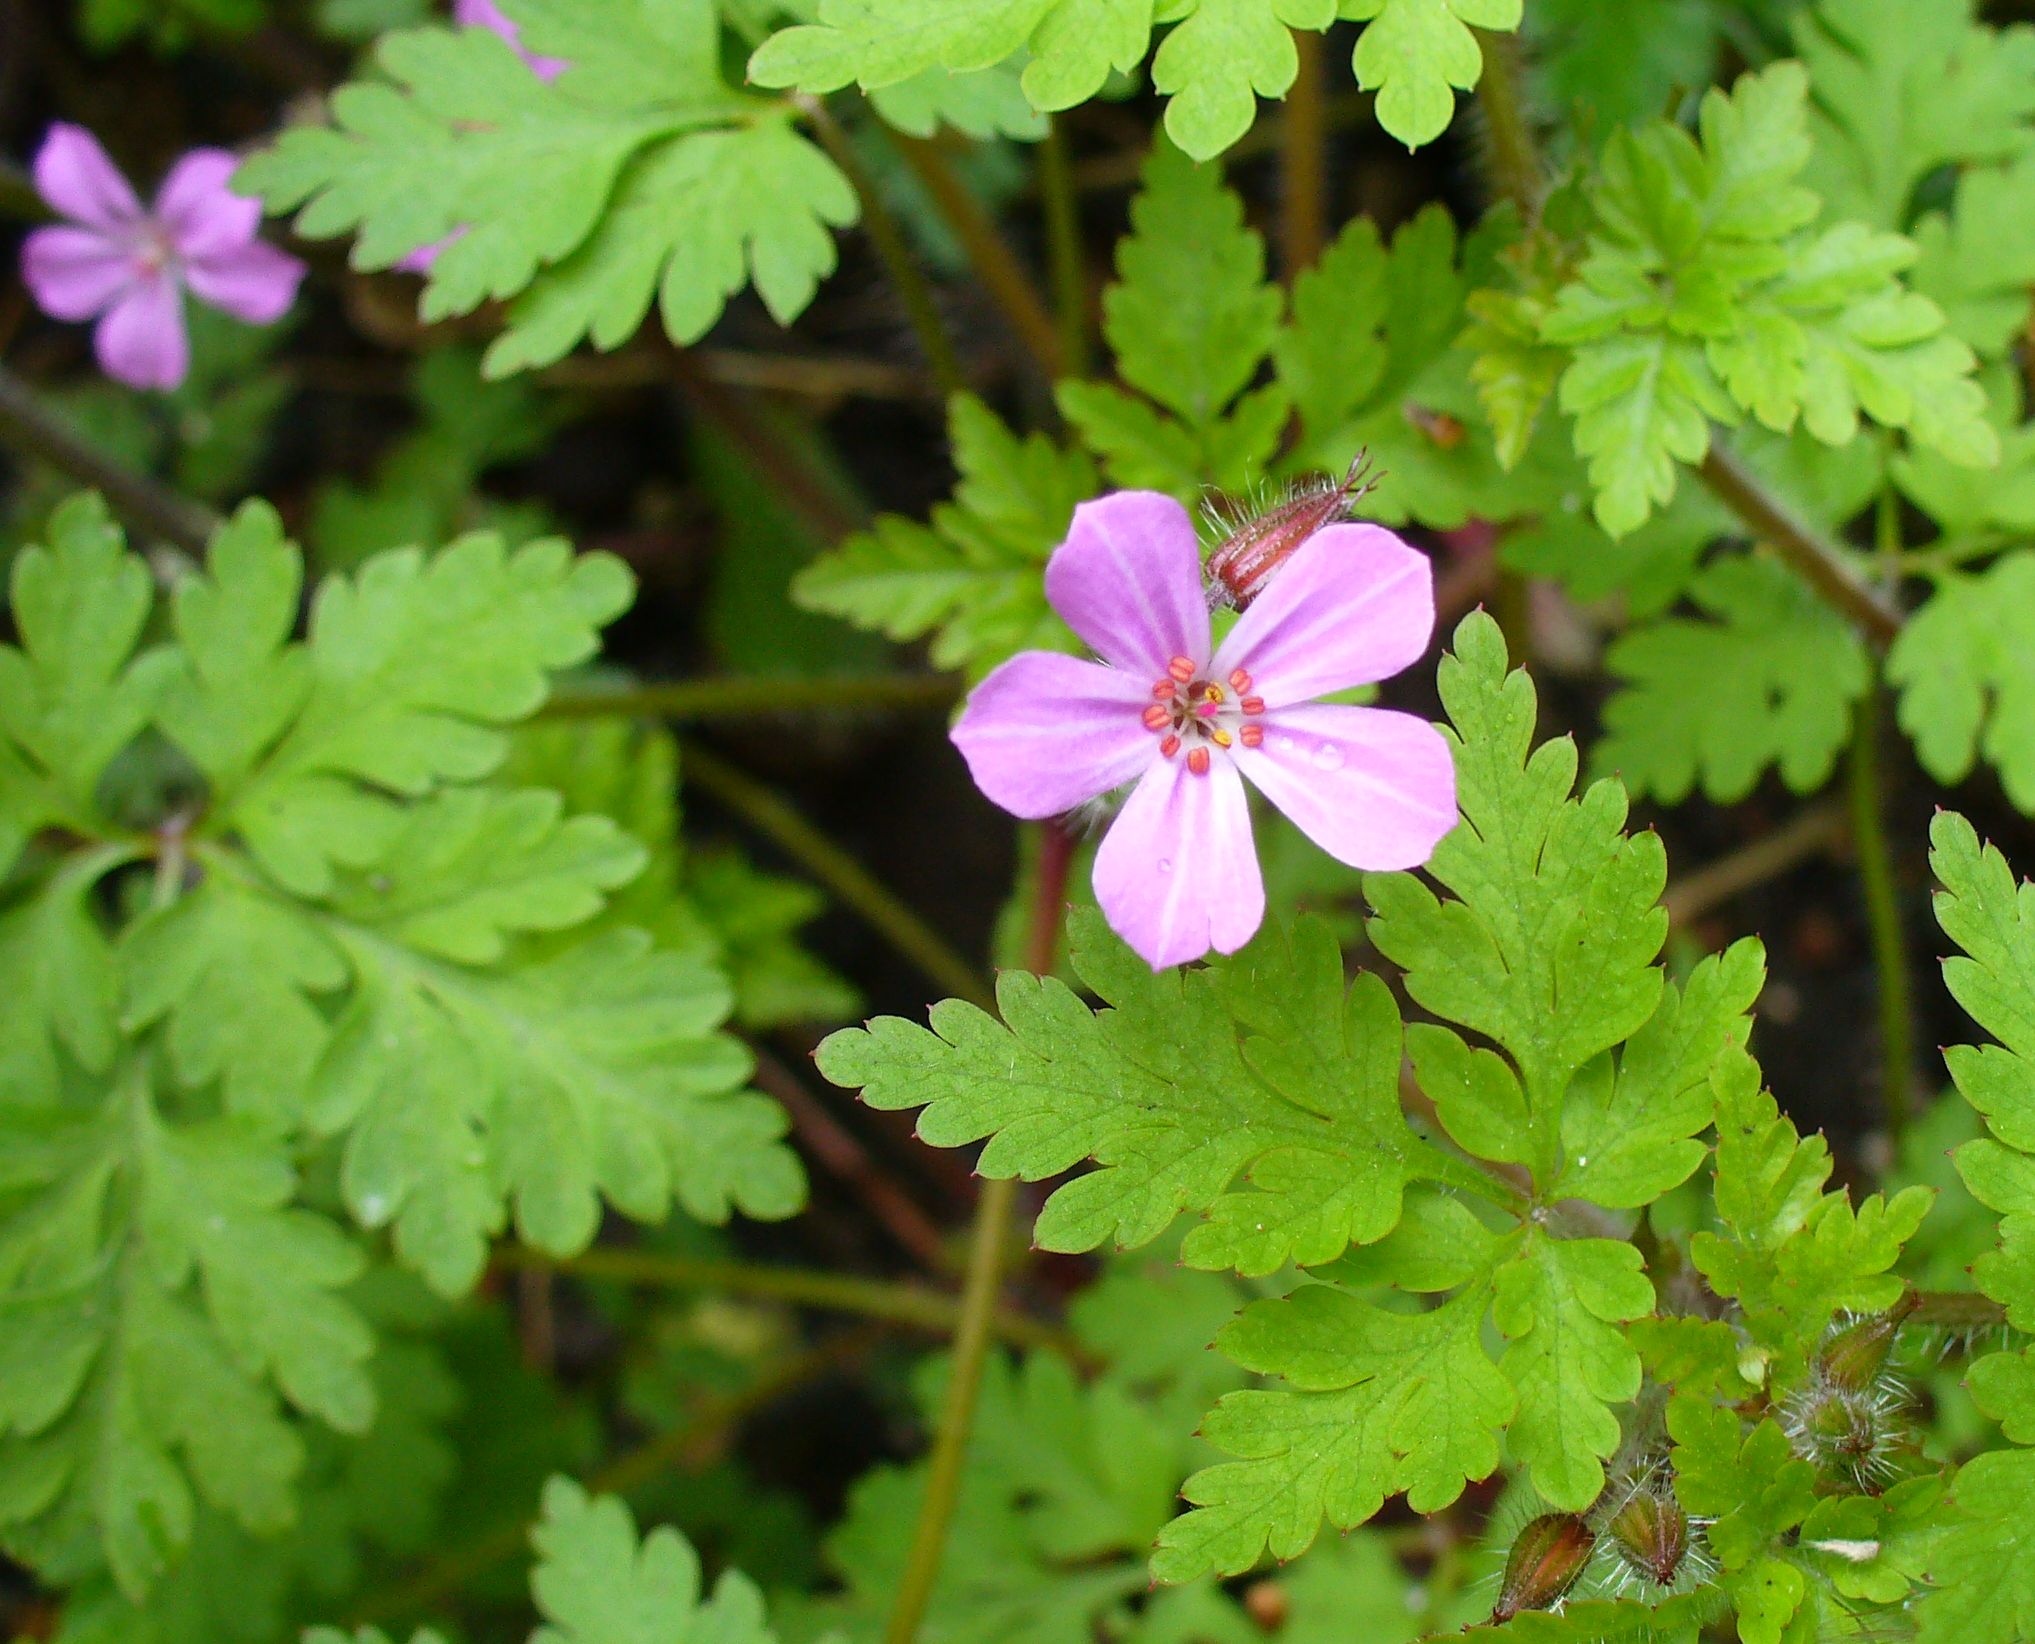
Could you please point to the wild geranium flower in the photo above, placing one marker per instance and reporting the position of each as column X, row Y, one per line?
column 1188, row 722
column 128, row 266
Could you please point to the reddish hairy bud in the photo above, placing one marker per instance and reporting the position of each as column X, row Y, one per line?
column 1547, row 1559
column 1650, row 1533
column 1256, row 543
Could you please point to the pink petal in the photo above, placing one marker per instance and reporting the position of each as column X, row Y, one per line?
column 1128, row 581
column 485, row 14
column 1177, row 874
column 202, row 215
column 1353, row 606
column 421, row 260
column 254, row 282
column 76, row 273
column 1373, row 788
column 1045, row 733
column 74, row 175
column 142, row 341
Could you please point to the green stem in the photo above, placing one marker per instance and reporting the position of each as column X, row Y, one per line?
column 1883, row 916
column 1512, row 158
column 887, row 240
column 1867, row 785
column 698, row 699
column 1003, row 276
column 1064, row 260
column 1957, row 1310
column 915, row 1305
column 978, row 1302
column 30, row 426
column 1303, row 159
column 853, row 885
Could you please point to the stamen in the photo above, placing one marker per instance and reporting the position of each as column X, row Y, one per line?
column 1197, row 761
column 1221, row 739
column 1212, row 693
column 1169, row 747
column 1157, row 718
column 1181, row 668
column 1165, row 690
column 1239, row 680
column 1253, row 704
column 1253, row 735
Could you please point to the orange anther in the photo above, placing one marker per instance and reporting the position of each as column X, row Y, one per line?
column 1181, row 668
column 1252, row 735
column 1165, row 690
column 1253, row 704
column 1157, row 718
column 1197, row 761
column 1239, row 680
column 1169, row 747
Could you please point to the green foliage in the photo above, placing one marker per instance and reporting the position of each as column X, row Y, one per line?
column 1965, row 665
column 1219, row 57
column 597, row 1582
column 348, row 938
column 972, row 576
column 1701, row 290
column 1268, row 1064
column 1770, row 680
column 638, row 176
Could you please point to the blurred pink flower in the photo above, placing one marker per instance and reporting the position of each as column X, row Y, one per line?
column 1187, row 721
column 127, row 266
column 485, row 14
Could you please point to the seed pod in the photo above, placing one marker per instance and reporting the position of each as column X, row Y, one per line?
column 1547, row 1559
column 1854, row 1356
column 1849, row 1435
column 1256, row 544
column 1650, row 1535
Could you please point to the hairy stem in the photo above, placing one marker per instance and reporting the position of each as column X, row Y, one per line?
column 1820, row 561
column 1061, row 210
column 916, row 1305
column 1303, row 159
column 707, row 699
column 1957, row 1310
column 853, row 885
column 31, row 427
column 1003, row 276
column 978, row 1302
column 887, row 240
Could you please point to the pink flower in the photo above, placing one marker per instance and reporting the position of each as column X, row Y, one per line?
column 485, row 14
column 128, row 267
column 1187, row 721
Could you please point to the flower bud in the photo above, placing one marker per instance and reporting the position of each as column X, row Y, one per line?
column 1547, row 1559
column 1650, row 1535
column 1851, row 1434
column 1854, row 1356
column 1255, row 545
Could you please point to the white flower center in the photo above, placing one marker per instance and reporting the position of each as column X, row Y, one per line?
column 1194, row 715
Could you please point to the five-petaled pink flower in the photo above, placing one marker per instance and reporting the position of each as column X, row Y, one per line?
column 1189, row 721
column 127, row 266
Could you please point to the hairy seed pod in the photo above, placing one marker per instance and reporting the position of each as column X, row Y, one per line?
column 1855, row 1355
column 1650, row 1535
column 1547, row 1559
column 1850, row 1436
column 1256, row 543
